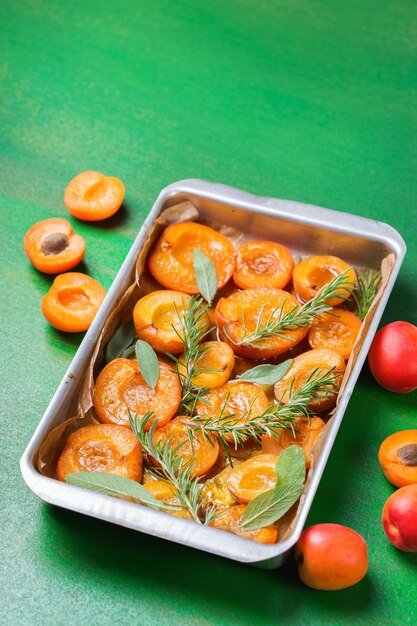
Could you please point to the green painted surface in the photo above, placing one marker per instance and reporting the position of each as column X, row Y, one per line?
column 286, row 98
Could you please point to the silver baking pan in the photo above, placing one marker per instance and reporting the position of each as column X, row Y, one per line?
column 306, row 229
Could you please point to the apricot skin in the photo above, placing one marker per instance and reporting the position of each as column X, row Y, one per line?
column 399, row 518
column 393, row 357
column 331, row 557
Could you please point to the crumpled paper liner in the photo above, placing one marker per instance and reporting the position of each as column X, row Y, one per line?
column 144, row 283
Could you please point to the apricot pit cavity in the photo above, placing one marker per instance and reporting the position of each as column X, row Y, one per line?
column 54, row 243
column 408, row 454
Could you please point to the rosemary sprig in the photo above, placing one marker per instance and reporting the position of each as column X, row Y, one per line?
column 277, row 324
column 274, row 419
column 172, row 466
column 366, row 287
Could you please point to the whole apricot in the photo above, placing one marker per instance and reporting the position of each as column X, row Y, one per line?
column 399, row 518
column 331, row 556
column 393, row 357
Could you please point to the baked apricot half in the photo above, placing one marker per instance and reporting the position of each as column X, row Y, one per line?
column 241, row 314
column 398, row 458
column 263, row 264
column 240, row 400
column 92, row 196
column 201, row 451
column 311, row 274
column 230, row 521
column 53, row 247
column 253, row 477
column 158, row 319
column 120, row 388
column 336, row 330
column 306, row 433
column 72, row 302
column 102, row 448
column 171, row 260
column 302, row 368
column 215, row 365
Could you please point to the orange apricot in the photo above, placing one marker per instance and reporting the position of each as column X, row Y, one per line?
column 171, row 260
column 336, row 330
column 72, row 302
column 263, row 264
column 215, row 365
column 230, row 521
column 102, row 448
column 167, row 492
column 302, row 368
column 398, row 458
column 120, row 388
column 201, row 451
column 158, row 319
column 243, row 401
column 307, row 432
column 253, row 477
column 52, row 246
column 243, row 312
column 311, row 274
column 91, row 196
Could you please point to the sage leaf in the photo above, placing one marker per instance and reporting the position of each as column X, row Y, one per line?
column 266, row 374
column 114, row 485
column 121, row 340
column 130, row 350
column 205, row 275
column 148, row 362
column 271, row 505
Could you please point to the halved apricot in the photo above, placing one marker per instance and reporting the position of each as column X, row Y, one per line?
column 72, row 302
column 92, row 196
column 263, row 264
column 171, row 260
column 167, row 492
column 302, row 367
column 158, row 319
column 311, row 274
column 241, row 314
column 102, row 448
column 120, row 388
column 230, row 521
column 240, row 400
column 215, row 365
column 307, row 432
column 336, row 330
column 253, row 477
column 398, row 458
column 52, row 246
column 202, row 451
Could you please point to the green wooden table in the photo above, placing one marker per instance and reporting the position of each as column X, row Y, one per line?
column 312, row 101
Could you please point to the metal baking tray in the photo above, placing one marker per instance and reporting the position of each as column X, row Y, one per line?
column 306, row 229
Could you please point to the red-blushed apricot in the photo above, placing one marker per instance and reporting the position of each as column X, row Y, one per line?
column 307, row 432
column 92, row 196
column 72, row 302
column 102, row 448
column 216, row 364
column 253, row 477
column 244, row 312
column 120, row 388
column 263, row 264
column 171, row 260
column 201, row 451
column 335, row 330
column 243, row 401
column 399, row 518
column 158, row 320
column 230, row 521
column 302, row 368
column 311, row 274
column 393, row 357
column 52, row 246
column 331, row 557
column 398, row 458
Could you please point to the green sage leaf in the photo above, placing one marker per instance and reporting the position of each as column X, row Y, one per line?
column 114, row 485
column 121, row 340
column 148, row 362
column 205, row 275
column 266, row 374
